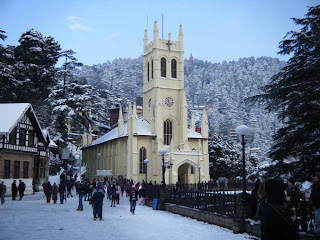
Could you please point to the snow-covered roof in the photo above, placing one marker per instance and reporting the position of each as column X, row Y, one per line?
column 52, row 144
column 194, row 134
column 143, row 129
column 11, row 113
column 101, row 125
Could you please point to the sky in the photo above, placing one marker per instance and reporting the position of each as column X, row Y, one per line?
column 102, row 30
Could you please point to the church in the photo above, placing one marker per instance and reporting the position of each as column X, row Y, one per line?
column 163, row 129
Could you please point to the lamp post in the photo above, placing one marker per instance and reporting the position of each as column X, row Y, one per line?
column 98, row 163
column 199, row 167
column 162, row 152
column 243, row 131
column 146, row 161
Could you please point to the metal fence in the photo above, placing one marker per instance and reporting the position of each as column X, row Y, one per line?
column 222, row 202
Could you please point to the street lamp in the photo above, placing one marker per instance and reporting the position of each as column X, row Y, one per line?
column 162, row 152
column 146, row 161
column 199, row 167
column 243, row 131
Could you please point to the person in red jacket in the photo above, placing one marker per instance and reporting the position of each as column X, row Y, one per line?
column 54, row 193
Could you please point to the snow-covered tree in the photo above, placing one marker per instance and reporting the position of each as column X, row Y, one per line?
column 295, row 94
column 36, row 57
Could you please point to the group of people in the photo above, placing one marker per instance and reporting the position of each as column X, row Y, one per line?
column 276, row 204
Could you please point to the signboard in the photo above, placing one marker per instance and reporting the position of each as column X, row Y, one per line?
column 104, row 172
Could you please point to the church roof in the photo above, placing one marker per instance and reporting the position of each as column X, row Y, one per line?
column 194, row 134
column 143, row 129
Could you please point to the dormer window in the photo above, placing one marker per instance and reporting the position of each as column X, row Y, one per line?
column 173, row 68
column 163, row 67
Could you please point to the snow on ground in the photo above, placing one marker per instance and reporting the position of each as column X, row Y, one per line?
column 34, row 219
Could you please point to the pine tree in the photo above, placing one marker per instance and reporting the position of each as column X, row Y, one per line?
column 295, row 93
column 36, row 57
column 8, row 82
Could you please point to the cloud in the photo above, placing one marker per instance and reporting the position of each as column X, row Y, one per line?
column 74, row 23
column 114, row 35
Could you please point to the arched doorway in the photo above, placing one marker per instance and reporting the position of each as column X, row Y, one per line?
column 187, row 173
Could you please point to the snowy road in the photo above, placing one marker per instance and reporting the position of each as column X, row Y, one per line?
column 34, row 219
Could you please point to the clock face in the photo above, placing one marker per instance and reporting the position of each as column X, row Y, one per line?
column 168, row 101
column 149, row 103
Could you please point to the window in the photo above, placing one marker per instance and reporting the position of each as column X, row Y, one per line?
column 13, row 136
column 42, row 170
column 22, row 137
column 148, row 66
column 192, row 170
column 142, row 157
column 16, row 169
column 163, row 67
column 6, row 172
column 167, row 132
column 152, row 69
column 31, row 135
column 25, row 169
column 173, row 68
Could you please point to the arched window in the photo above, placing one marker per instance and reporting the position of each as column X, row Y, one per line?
column 163, row 67
column 142, row 157
column 152, row 69
column 167, row 132
column 173, row 68
column 148, row 66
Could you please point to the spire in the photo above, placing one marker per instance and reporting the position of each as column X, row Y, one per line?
column 204, row 124
column 145, row 39
column 120, row 122
column 192, row 124
column 134, row 113
column 181, row 36
column 169, row 37
column 130, row 110
column 155, row 33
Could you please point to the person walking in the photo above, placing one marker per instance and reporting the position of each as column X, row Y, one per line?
column 80, row 189
column 62, row 190
column 3, row 190
column 21, row 189
column 142, row 194
column 118, row 194
column 254, row 194
column 69, row 188
column 97, row 201
column 133, row 199
column 14, row 190
column 122, row 189
column 261, row 199
column 314, row 200
column 48, row 191
column 113, row 195
column 54, row 193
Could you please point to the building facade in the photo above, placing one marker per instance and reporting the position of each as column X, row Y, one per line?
column 164, row 125
column 24, row 149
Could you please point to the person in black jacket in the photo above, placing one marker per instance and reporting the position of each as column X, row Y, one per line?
column 254, row 194
column 314, row 200
column 133, row 199
column 275, row 223
column 81, row 190
column 14, row 190
column 97, row 201
column 21, row 189
column 62, row 190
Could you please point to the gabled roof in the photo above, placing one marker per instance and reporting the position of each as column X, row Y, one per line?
column 143, row 129
column 11, row 114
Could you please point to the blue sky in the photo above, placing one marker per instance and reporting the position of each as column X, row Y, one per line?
column 102, row 30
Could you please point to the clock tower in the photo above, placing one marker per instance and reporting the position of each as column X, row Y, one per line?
column 164, row 98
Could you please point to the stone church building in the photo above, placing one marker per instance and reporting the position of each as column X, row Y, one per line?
column 164, row 125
